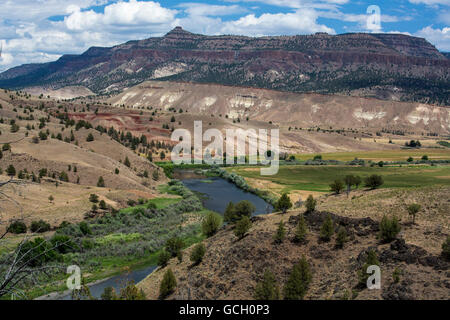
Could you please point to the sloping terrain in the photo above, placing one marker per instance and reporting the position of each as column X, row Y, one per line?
column 387, row 66
column 72, row 165
column 231, row 269
column 287, row 109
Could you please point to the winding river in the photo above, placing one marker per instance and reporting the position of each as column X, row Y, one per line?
column 216, row 194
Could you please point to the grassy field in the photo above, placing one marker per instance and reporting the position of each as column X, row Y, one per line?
column 318, row 178
column 383, row 155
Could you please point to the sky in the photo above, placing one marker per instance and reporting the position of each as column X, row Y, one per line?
column 33, row 31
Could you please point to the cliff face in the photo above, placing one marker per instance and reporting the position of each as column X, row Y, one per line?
column 402, row 67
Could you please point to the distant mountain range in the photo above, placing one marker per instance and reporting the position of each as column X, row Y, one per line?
column 385, row 66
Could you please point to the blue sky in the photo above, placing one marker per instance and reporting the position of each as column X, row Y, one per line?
column 42, row 30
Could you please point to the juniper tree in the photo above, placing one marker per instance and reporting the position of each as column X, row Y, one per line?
column 341, row 237
column 168, row 284
column 267, row 289
column 284, row 203
column 242, row 227
column 301, row 230
column 299, row 280
column 280, row 234
column 310, row 203
column 327, row 229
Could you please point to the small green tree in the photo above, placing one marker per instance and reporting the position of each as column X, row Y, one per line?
column 372, row 260
column 85, row 228
column 284, row 203
column 310, row 203
column 90, row 137
column 93, row 198
column 337, row 186
column 17, row 227
column 413, row 209
column 229, row 212
column 389, row 228
column 163, row 258
column 173, row 245
column 374, row 181
column 267, row 289
column 327, row 229
column 198, row 253
column 242, row 227
column 11, row 171
column 168, row 284
column 211, row 224
column 341, row 237
column 298, row 282
column 349, row 181
column 280, row 234
column 301, row 230
column 101, row 182
column 39, row 226
column 127, row 162
column 103, row 205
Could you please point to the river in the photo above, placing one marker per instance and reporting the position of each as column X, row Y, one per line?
column 216, row 194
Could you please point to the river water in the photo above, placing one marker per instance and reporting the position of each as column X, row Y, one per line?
column 216, row 194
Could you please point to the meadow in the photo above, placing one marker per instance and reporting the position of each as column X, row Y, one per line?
column 318, row 178
column 382, row 155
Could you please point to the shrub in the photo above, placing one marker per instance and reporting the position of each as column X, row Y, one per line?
column 413, row 209
column 90, row 137
column 372, row 260
column 310, row 203
column 337, row 186
column 85, row 228
column 11, row 171
column 280, row 234
column 301, row 230
column 87, row 244
column 211, row 224
column 268, row 288
column 63, row 177
column 284, row 203
column 173, row 245
column 242, row 227
column 327, row 229
column 229, row 212
column 341, row 237
column 396, row 275
column 17, row 227
column 37, row 252
column 243, row 208
column 374, row 181
column 163, row 258
column 101, row 182
column 93, row 198
column 389, row 228
column 63, row 243
column 168, row 284
column 198, row 253
column 298, row 282
column 103, row 205
column 446, row 248
column 127, row 162
column 40, row 226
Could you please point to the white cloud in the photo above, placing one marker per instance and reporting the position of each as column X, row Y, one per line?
column 431, row 2
column 300, row 22
column 439, row 37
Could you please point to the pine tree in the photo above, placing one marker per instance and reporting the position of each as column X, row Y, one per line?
column 280, row 234
column 298, row 282
column 327, row 229
column 310, row 203
column 101, row 182
column 301, row 230
column 268, row 288
column 341, row 237
column 284, row 203
column 168, row 284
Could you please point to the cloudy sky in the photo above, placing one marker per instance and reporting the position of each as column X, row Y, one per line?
column 42, row 30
